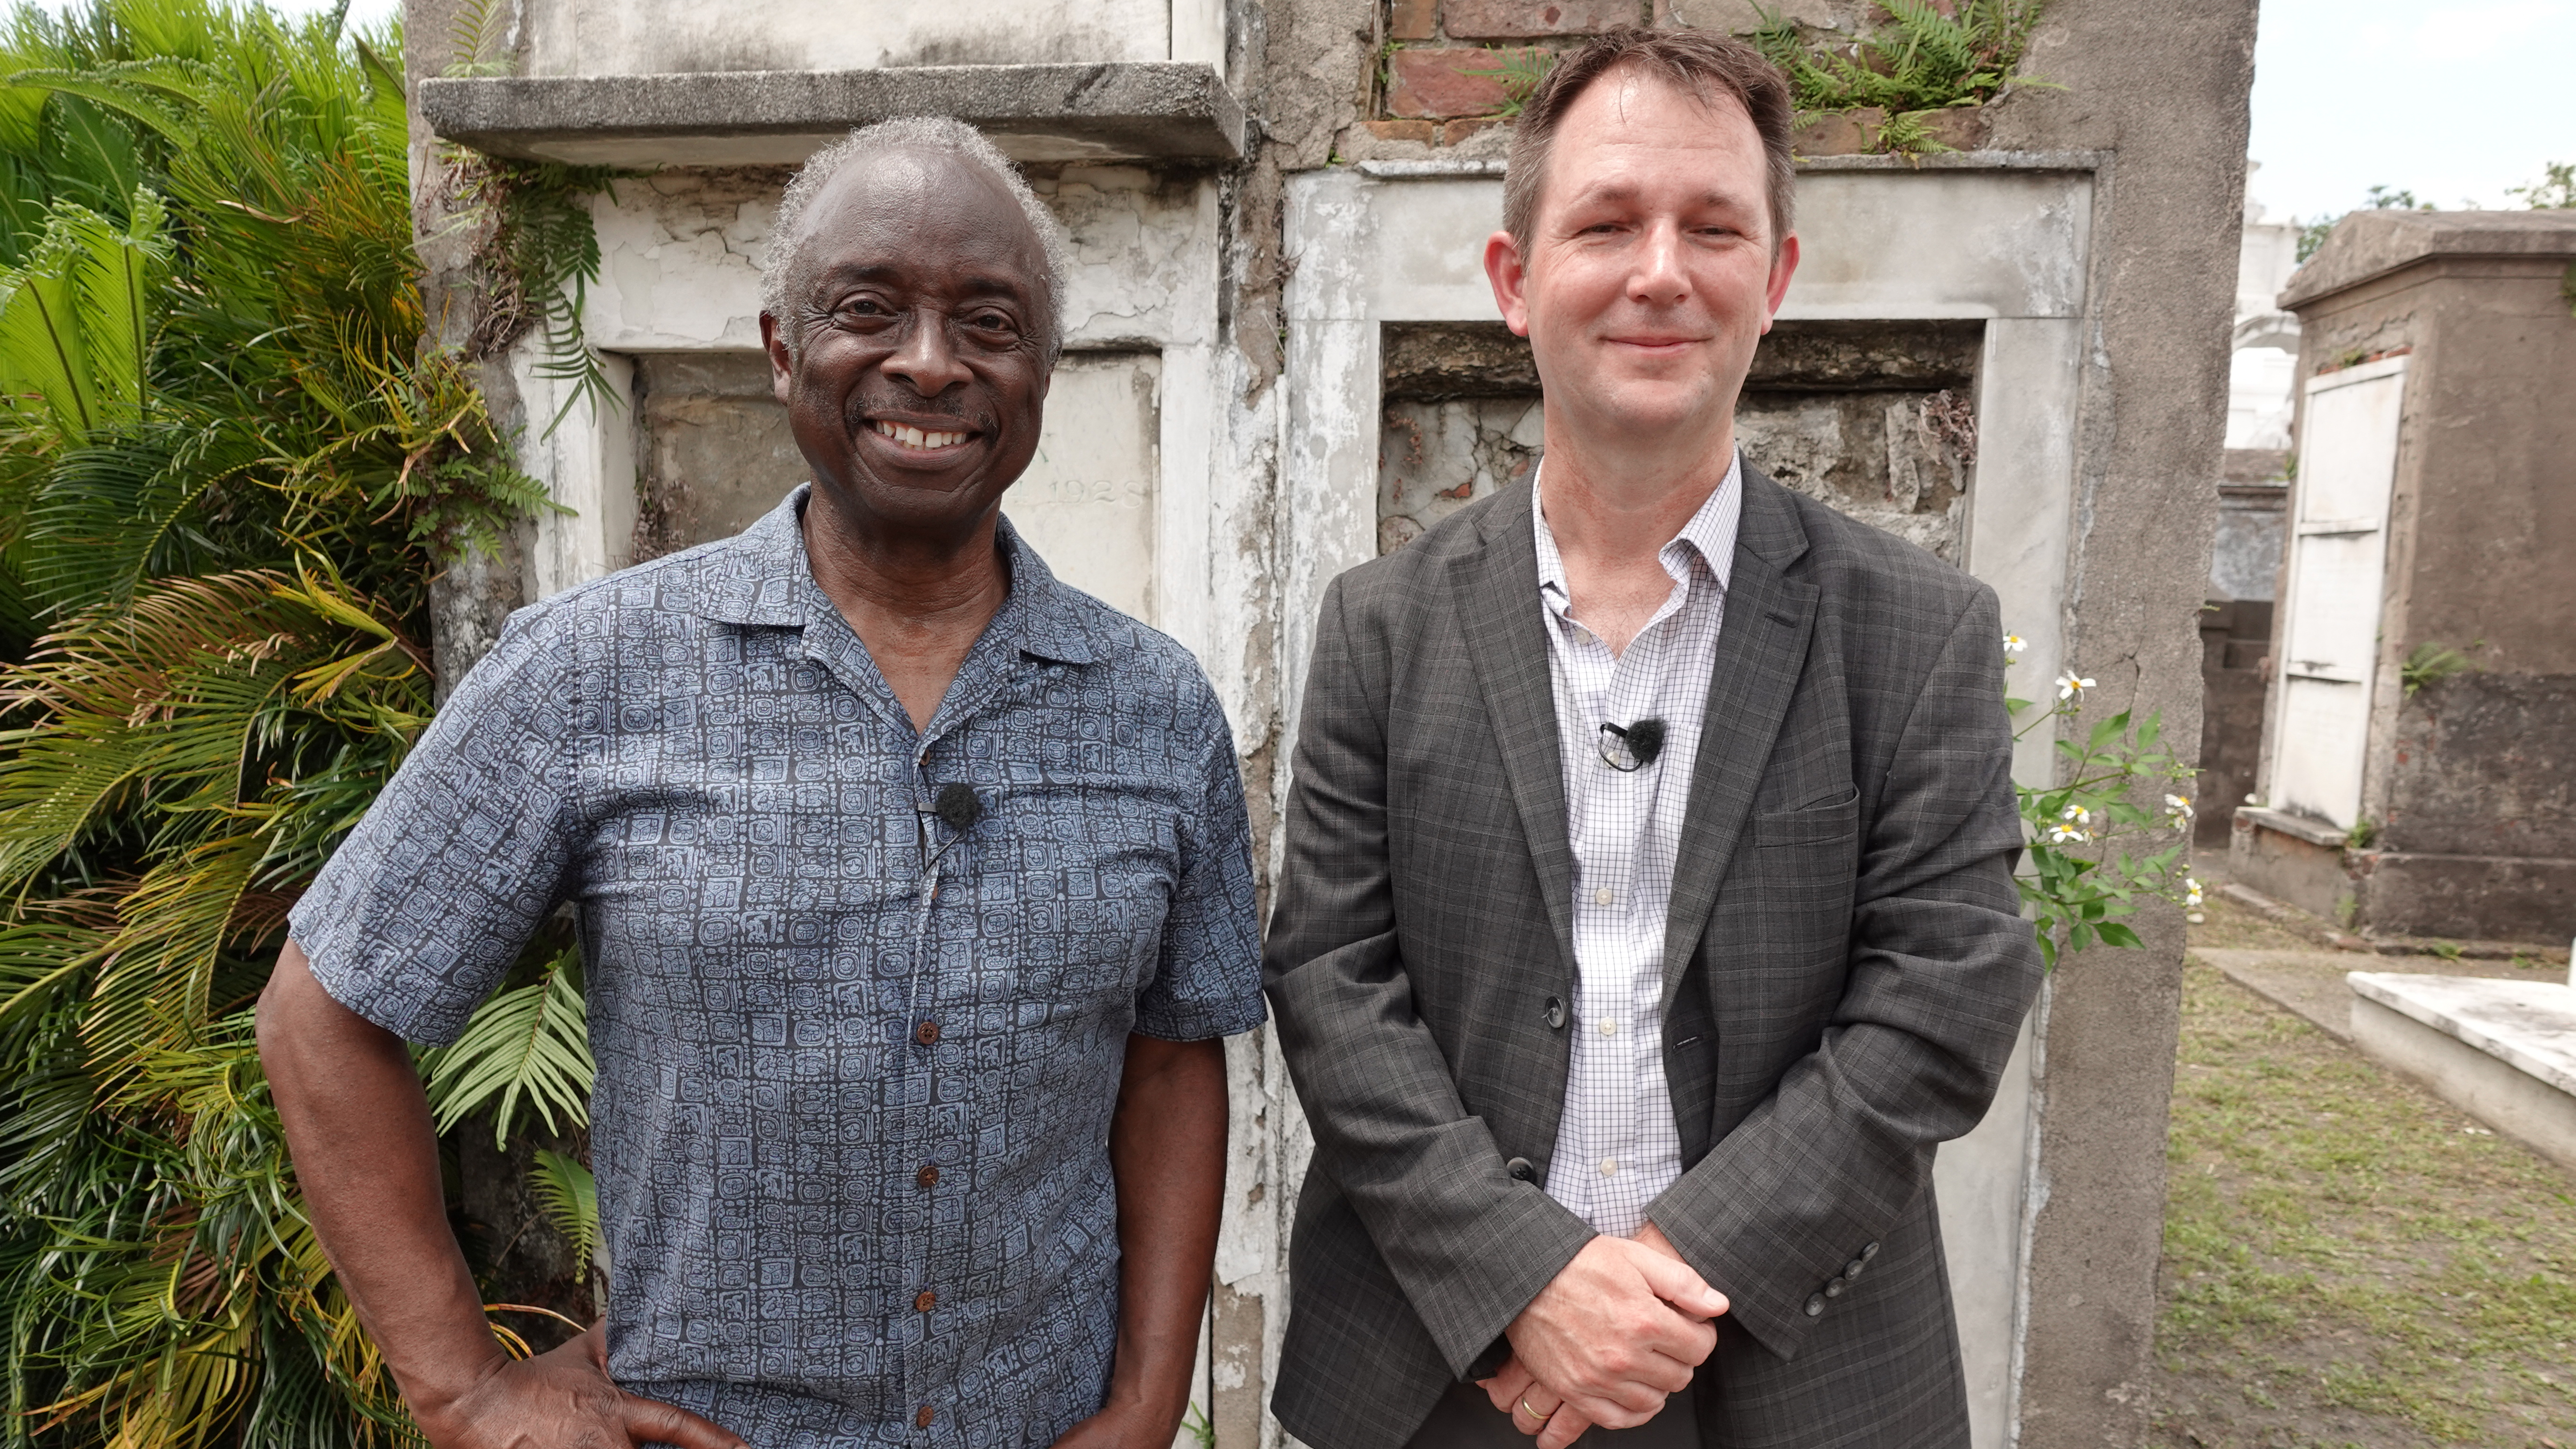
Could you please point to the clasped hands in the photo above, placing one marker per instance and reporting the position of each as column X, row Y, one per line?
column 1620, row 1329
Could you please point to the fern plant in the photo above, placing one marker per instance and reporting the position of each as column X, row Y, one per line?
column 228, row 473
column 1918, row 63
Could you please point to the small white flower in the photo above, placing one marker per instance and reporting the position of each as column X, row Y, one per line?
column 2179, row 807
column 2014, row 644
column 2191, row 891
column 2078, row 814
column 2069, row 685
column 2062, row 833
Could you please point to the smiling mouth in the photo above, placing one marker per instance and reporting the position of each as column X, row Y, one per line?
column 921, row 440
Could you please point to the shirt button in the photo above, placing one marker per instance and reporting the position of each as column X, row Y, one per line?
column 1609, row 1167
column 928, row 1176
column 923, row 1303
column 927, row 1033
column 1601, row 897
column 1609, row 1028
column 922, row 1419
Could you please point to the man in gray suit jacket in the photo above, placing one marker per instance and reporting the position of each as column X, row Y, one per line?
column 1647, row 916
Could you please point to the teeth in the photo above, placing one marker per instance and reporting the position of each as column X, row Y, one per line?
column 912, row 437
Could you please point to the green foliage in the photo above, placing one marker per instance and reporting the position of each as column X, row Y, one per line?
column 2555, row 189
column 570, row 1198
column 228, row 472
column 2431, row 663
column 1519, row 70
column 1919, row 62
column 2077, row 897
column 526, row 1050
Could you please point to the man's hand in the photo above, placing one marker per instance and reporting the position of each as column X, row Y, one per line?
column 1620, row 1328
column 561, row 1398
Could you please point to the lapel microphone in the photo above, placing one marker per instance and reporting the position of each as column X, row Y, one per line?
column 1644, row 739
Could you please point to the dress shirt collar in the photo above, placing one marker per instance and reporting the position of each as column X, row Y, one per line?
column 1710, row 533
column 761, row 576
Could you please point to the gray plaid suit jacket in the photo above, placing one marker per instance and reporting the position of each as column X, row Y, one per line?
column 1846, row 968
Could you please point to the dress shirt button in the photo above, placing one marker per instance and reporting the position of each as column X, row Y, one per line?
column 925, row 1301
column 1601, row 897
column 927, row 1033
column 928, row 1176
column 1609, row 1028
column 921, row 1419
column 1609, row 1167
column 1521, row 1169
column 1556, row 1013
column 1815, row 1309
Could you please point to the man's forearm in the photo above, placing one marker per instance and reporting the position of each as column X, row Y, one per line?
column 1167, row 1148
column 358, row 1127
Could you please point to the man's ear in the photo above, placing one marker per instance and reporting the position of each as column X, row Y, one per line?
column 782, row 367
column 1784, row 265
column 1504, row 268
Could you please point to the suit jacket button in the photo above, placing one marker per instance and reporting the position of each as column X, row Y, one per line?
column 1556, row 1013
column 1869, row 1252
column 1815, row 1305
column 1834, row 1288
column 1852, row 1268
column 1521, row 1169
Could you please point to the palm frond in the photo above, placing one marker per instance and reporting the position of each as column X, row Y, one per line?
column 570, row 1198
column 524, row 1050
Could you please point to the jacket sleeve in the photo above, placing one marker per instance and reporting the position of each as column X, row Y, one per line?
column 1469, row 1244
column 1942, row 969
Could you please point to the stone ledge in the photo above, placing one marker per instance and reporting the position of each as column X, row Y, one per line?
column 2528, row 1025
column 2476, row 1044
column 1136, row 110
column 2366, row 245
column 2299, row 827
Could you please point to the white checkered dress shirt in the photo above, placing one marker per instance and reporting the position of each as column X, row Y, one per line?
column 1617, row 1148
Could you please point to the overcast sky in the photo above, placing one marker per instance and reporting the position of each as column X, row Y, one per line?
column 2452, row 101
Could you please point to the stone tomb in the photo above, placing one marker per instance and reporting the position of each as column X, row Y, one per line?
column 2502, row 1051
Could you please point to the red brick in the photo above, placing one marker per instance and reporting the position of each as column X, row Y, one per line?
column 1453, row 132
column 1414, row 19
column 1515, row 19
column 1837, row 133
column 1961, row 128
column 1425, row 132
column 1438, row 81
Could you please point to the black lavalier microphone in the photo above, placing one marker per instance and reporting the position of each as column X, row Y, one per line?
column 959, row 807
column 1644, row 739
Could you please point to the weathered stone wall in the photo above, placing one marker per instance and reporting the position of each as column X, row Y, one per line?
column 1871, row 418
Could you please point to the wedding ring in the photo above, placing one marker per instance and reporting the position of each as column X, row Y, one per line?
column 1533, row 1413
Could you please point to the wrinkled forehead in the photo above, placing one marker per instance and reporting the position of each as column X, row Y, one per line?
column 934, row 218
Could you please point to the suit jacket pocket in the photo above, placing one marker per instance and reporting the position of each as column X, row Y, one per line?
column 1832, row 820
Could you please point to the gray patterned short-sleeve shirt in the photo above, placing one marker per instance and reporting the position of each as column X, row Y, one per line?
column 856, row 1067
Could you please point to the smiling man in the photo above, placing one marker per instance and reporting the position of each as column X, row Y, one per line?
column 913, row 888
column 1647, row 915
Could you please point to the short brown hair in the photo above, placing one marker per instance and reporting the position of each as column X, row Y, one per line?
column 1700, row 63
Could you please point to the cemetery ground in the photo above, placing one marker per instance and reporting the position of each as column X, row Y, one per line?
column 2348, row 1259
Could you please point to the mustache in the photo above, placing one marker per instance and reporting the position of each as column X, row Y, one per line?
column 854, row 413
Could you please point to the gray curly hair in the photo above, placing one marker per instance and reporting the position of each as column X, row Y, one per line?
column 928, row 133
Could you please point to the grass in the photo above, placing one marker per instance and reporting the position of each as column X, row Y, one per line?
column 2349, row 1260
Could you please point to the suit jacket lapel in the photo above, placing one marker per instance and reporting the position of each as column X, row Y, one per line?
column 1495, row 591
column 1761, row 652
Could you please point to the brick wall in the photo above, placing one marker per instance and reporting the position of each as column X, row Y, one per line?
column 1450, row 66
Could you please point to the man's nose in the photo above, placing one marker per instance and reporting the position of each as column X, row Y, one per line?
column 927, row 359
column 1659, row 278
